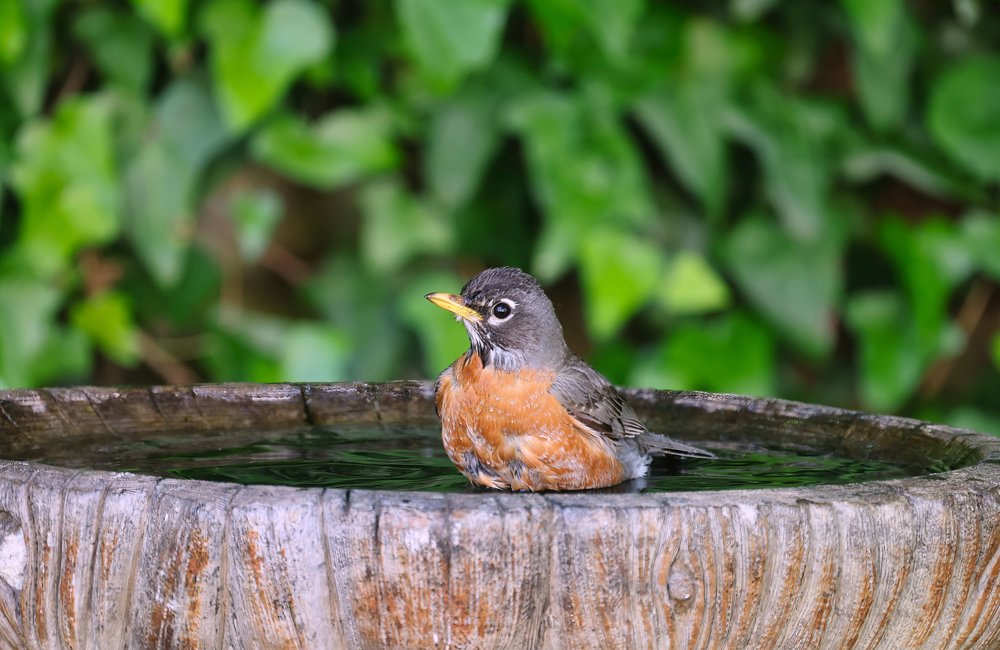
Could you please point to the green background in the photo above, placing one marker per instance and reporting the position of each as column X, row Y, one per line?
column 796, row 199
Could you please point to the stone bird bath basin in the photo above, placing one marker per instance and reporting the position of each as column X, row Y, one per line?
column 92, row 559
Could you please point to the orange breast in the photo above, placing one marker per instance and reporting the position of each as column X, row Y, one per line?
column 506, row 430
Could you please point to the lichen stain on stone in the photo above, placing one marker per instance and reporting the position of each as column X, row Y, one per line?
column 465, row 623
column 866, row 599
column 39, row 588
column 824, row 601
column 107, row 552
column 256, row 563
column 941, row 574
column 289, row 593
column 267, row 608
column 67, row 595
column 197, row 561
column 162, row 616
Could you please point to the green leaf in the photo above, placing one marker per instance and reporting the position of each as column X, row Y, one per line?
column 188, row 122
column 120, row 45
column 996, row 350
column 184, row 304
column 26, row 76
column 258, row 347
column 169, row 16
column 619, row 272
column 450, row 38
column 13, row 30
column 67, row 182
column 462, row 137
column 256, row 54
column 691, row 286
column 359, row 61
column 64, row 357
column 962, row 114
column 924, row 172
column 107, row 319
column 264, row 332
column 6, row 157
column 340, row 148
column 231, row 358
column 980, row 233
column 365, row 307
column 584, row 170
column 792, row 138
column 892, row 352
column 246, row 346
column 161, row 221
column 974, row 419
column 442, row 340
column 561, row 22
column 25, row 323
column 183, row 135
column 256, row 213
column 228, row 21
column 686, row 122
column 795, row 285
column 889, row 371
column 612, row 23
column 932, row 259
column 556, row 249
column 719, row 53
column 615, row 359
column 313, row 353
column 609, row 24
column 885, row 42
column 292, row 35
column 399, row 227
column 730, row 355
column 968, row 12
column 750, row 10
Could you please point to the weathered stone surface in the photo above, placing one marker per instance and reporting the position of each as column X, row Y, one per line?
column 105, row 560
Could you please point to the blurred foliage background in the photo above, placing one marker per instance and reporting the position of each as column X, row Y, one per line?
column 797, row 199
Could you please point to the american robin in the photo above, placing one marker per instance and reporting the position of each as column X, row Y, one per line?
column 520, row 411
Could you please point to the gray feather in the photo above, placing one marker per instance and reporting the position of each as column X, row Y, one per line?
column 597, row 404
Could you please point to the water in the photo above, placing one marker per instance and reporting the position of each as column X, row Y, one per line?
column 413, row 459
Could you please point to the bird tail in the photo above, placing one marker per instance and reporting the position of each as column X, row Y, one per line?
column 660, row 445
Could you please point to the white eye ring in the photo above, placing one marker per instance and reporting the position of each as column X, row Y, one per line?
column 494, row 319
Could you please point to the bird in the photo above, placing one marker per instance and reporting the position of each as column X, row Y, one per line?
column 520, row 411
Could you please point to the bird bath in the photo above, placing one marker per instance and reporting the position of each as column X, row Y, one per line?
column 100, row 559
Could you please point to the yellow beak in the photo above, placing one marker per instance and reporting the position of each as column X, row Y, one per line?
column 454, row 304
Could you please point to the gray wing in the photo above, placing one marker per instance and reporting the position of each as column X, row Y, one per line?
column 597, row 405
column 591, row 399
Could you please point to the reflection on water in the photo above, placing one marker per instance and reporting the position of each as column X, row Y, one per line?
column 413, row 459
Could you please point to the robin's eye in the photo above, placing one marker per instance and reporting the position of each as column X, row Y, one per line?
column 501, row 310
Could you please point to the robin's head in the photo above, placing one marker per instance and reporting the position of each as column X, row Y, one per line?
column 510, row 320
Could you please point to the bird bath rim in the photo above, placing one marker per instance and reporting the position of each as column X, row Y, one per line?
column 28, row 417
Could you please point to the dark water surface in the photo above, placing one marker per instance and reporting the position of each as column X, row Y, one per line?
column 413, row 459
